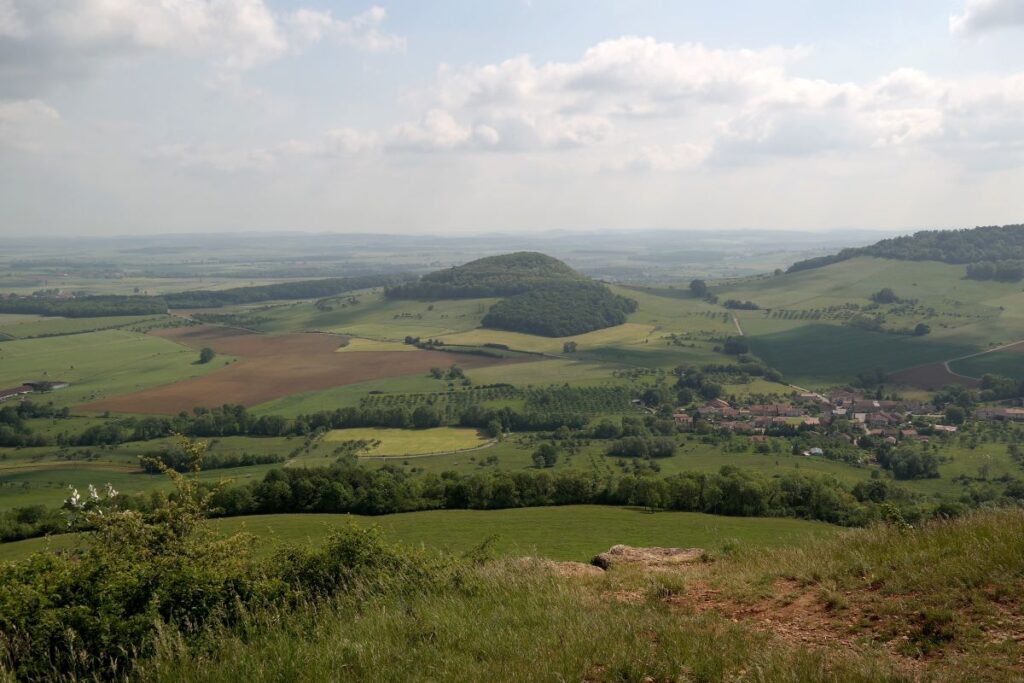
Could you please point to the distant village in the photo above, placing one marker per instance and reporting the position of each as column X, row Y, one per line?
column 889, row 420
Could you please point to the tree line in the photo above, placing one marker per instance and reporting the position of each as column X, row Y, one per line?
column 991, row 244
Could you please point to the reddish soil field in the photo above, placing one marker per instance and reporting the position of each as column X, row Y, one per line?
column 270, row 367
column 931, row 377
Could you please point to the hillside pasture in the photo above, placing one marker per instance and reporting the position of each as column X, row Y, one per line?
column 272, row 366
column 822, row 353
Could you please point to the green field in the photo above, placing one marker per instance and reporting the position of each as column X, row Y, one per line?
column 822, row 354
column 1005, row 363
column 53, row 326
column 400, row 442
column 99, row 364
column 374, row 317
column 576, row 532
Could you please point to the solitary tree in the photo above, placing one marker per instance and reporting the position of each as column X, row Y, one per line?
column 206, row 354
column 698, row 288
column 546, row 455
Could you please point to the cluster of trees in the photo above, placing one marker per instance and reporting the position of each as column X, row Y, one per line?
column 885, row 296
column 503, row 275
column 84, row 307
column 988, row 244
column 560, row 309
column 644, row 447
column 741, row 305
column 15, row 432
column 303, row 289
column 907, row 462
column 1001, row 271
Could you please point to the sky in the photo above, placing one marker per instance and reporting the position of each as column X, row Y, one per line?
column 469, row 116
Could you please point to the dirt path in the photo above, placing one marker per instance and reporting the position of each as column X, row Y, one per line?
column 736, row 322
column 939, row 373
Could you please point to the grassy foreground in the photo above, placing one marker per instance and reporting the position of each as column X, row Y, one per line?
column 941, row 603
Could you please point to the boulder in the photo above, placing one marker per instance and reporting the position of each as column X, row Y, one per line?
column 624, row 555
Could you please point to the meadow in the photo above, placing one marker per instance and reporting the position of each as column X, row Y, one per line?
column 405, row 442
column 100, row 364
column 572, row 532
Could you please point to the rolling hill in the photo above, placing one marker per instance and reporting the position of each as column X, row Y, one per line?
column 543, row 295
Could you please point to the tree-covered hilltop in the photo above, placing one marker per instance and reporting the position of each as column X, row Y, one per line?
column 560, row 310
column 544, row 296
column 991, row 253
column 503, row 275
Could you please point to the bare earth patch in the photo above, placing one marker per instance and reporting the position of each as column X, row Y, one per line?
column 270, row 367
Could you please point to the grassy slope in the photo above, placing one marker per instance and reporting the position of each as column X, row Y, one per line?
column 969, row 316
column 939, row 604
column 576, row 532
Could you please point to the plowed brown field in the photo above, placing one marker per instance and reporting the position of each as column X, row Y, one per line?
column 270, row 367
column 931, row 377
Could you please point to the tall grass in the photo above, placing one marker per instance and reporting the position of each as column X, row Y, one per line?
column 512, row 623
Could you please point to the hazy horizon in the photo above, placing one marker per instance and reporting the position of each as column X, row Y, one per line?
column 516, row 117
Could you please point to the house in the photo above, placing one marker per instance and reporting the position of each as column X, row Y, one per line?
column 1015, row 414
column 948, row 429
column 814, row 451
column 811, row 422
column 683, row 420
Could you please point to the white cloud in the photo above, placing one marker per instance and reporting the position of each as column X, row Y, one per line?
column 70, row 38
column 363, row 31
column 25, row 124
column 11, row 25
column 980, row 16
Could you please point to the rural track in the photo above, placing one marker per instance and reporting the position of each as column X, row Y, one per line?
column 736, row 322
column 950, row 370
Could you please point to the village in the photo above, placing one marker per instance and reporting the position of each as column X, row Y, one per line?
column 844, row 414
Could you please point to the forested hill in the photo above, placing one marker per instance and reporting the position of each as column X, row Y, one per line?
column 989, row 252
column 544, row 296
column 502, row 275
